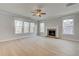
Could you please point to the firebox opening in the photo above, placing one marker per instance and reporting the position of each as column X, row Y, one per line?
column 52, row 32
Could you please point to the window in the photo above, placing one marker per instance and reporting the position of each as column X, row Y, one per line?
column 68, row 26
column 18, row 26
column 26, row 27
column 42, row 27
column 32, row 27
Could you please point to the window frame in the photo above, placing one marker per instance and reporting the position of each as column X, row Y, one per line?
column 43, row 31
column 27, row 26
column 18, row 26
column 72, row 26
column 16, row 31
column 33, row 28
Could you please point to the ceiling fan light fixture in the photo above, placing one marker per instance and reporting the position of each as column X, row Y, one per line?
column 38, row 12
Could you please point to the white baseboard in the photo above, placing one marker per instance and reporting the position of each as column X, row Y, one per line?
column 71, row 40
column 9, row 39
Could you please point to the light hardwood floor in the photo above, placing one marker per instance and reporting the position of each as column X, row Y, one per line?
column 39, row 46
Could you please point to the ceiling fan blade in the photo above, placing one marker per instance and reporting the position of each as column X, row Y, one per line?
column 34, row 14
column 43, row 13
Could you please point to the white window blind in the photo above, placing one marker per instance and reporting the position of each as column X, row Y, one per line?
column 18, row 26
column 26, row 27
column 42, row 27
column 68, row 26
column 32, row 27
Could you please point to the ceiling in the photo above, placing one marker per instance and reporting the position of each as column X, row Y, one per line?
column 51, row 9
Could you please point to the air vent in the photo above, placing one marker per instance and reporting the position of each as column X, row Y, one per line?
column 70, row 4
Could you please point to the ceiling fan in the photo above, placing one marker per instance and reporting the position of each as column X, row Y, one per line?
column 38, row 12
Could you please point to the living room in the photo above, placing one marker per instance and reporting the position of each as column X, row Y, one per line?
column 39, row 29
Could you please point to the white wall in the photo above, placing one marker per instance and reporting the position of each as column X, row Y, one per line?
column 76, row 27
column 57, row 23
column 50, row 24
column 7, row 27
